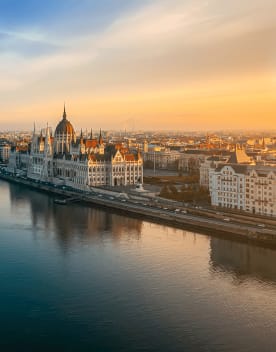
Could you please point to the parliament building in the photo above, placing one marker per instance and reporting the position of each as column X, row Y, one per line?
column 80, row 162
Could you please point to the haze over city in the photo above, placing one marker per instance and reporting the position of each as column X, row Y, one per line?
column 166, row 64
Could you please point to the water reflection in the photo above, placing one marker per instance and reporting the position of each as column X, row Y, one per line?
column 160, row 289
column 73, row 220
column 242, row 260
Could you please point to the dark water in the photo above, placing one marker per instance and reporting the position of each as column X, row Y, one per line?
column 75, row 278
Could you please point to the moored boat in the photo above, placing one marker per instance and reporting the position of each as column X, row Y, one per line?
column 60, row 201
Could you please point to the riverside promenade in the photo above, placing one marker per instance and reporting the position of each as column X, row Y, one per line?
column 237, row 227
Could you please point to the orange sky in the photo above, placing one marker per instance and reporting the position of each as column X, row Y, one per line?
column 166, row 64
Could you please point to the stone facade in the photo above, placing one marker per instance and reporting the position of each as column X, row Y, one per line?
column 244, row 187
column 4, row 152
column 162, row 159
column 80, row 162
column 209, row 163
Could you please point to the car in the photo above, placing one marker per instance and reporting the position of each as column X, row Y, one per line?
column 226, row 219
column 261, row 225
column 177, row 210
column 184, row 211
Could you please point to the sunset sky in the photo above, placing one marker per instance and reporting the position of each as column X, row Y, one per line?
column 138, row 64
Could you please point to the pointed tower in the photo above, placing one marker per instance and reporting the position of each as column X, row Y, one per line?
column 263, row 143
column 46, row 172
column 100, row 138
column 33, row 150
column 82, row 145
column 64, row 113
column 101, row 144
column 34, row 140
column 48, row 143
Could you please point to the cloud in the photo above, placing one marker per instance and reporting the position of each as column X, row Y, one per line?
column 149, row 48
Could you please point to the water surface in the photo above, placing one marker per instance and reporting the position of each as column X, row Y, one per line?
column 75, row 278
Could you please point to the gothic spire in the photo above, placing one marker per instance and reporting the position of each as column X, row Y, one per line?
column 64, row 113
column 100, row 137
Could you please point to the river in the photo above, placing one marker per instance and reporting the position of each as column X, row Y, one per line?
column 76, row 278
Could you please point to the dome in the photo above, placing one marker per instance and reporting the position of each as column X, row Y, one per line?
column 64, row 126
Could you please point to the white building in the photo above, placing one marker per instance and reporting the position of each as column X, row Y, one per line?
column 209, row 163
column 191, row 160
column 4, row 152
column 261, row 191
column 80, row 162
column 244, row 187
column 227, row 186
column 162, row 158
column 236, row 157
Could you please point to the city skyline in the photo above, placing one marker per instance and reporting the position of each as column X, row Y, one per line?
column 139, row 64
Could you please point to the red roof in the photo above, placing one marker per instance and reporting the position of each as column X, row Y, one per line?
column 92, row 143
column 129, row 157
